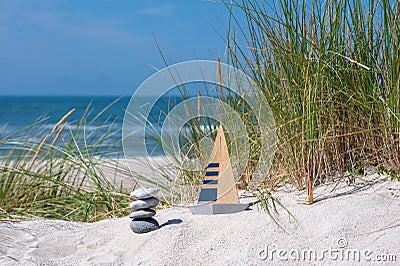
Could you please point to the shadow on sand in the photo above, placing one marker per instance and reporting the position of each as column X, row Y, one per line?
column 172, row 221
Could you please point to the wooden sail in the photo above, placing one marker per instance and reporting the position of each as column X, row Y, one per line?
column 218, row 193
column 219, row 184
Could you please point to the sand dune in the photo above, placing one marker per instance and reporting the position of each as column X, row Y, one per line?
column 357, row 218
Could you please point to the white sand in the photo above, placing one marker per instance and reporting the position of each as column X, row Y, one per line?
column 365, row 216
column 150, row 169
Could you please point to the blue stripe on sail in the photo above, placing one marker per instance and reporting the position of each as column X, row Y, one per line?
column 208, row 194
column 213, row 165
column 212, row 173
column 210, row 181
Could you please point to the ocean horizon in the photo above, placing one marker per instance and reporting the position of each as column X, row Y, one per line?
column 18, row 113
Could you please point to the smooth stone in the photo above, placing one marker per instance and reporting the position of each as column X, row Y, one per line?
column 146, row 225
column 143, row 213
column 144, row 193
column 144, row 203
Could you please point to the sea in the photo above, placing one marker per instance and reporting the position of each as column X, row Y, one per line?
column 36, row 116
column 30, row 118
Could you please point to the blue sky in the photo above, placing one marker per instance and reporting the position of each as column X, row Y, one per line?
column 103, row 47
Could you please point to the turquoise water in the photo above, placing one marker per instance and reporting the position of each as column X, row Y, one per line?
column 17, row 112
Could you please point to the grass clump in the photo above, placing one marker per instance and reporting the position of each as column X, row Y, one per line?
column 65, row 173
column 331, row 73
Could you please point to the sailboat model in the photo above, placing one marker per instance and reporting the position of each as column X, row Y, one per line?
column 218, row 193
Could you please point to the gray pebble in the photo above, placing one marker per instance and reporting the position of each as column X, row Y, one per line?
column 144, row 193
column 144, row 203
column 141, row 226
column 143, row 213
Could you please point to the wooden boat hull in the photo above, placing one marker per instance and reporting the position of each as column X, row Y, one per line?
column 219, row 208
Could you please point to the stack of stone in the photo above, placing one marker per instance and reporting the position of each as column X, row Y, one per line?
column 142, row 221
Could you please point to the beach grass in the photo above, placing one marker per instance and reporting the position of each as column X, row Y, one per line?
column 60, row 173
column 331, row 73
